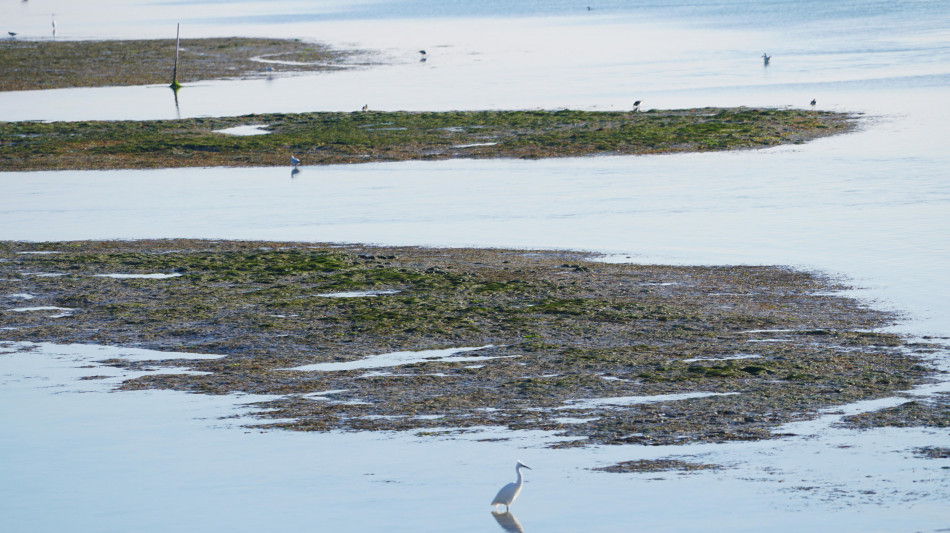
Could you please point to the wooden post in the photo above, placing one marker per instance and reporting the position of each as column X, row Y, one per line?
column 175, row 85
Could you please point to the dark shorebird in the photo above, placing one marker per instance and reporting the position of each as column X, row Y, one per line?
column 813, row 102
column 12, row 34
column 765, row 59
column 636, row 105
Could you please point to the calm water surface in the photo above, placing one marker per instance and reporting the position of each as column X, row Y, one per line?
column 872, row 207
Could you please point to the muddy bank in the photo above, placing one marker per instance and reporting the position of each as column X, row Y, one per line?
column 32, row 65
column 933, row 411
column 375, row 136
column 602, row 353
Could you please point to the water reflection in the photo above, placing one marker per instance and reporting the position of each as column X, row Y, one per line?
column 508, row 522
column 293, row 172
column 174, row 89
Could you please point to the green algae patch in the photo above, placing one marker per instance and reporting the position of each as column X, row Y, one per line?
column 595, row 353
column 376, row 136
column 33, row 65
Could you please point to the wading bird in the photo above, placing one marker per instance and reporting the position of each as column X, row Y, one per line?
column 813, row 102
column 765, row 59
column 294, row 161
column 54, row 24
column 636, row 105
column 366, row 107
column 12, row 34
column 509, row 492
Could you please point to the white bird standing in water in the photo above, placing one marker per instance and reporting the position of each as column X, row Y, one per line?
column 509, row 492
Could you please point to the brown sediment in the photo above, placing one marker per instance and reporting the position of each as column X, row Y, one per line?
column 33, row 65
column 766, row 345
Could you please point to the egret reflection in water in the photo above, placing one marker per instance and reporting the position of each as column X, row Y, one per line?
column 507, row 521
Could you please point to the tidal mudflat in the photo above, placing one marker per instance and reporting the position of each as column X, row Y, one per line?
column 363, row 137
column 595, row 352
column 31, row 65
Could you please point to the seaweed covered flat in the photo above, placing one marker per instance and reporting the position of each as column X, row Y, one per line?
column 524, row 339
column 361, row 137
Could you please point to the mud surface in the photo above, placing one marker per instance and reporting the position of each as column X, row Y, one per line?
column 32, row 65
column 681, row 354
column 365, row 137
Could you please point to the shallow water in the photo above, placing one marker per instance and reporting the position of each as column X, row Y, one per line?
column 872, row 207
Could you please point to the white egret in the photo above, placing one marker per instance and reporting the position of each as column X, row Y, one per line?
column 294, row 161
column 509, row 492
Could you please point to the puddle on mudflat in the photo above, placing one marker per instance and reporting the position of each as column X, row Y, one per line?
column 138, row 276
column 41, row 308
column 242, row 131
column 400, row 358
column 624, row 401
column 723, row 358
column 359, row 294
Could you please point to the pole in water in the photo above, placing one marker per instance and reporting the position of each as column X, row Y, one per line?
column 175, row 85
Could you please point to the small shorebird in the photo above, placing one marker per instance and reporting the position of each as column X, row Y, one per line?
column 636, row 105
column 765, row 59
column 12, row 34
column 366, row 107
column 294, row 161
column 813, row 102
